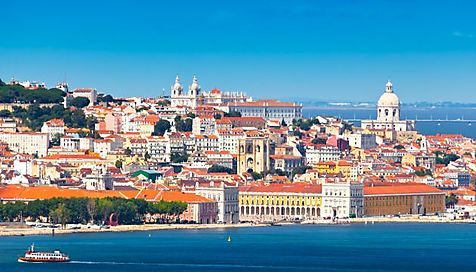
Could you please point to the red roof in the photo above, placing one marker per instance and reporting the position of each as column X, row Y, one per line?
column 399, row 188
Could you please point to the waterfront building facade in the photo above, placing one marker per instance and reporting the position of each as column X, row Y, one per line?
column 382, row 199
column 226, row 196
column 342, row 199
column 280, row 202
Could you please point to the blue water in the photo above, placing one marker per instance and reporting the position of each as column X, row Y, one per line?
column 427, row 128
column 379, row 247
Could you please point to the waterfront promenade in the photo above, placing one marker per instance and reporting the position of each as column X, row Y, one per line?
column 23, row 231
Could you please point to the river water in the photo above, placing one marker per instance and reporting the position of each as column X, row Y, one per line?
column 379, row 247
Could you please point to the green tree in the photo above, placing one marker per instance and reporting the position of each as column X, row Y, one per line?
column 80, row 102
column 319, row 141
column 280, row 172
column 118, row 164
column 233, row 114
column 61, row 215
column 178, row 157
column 217, row 116
column 92, row 208
column 161, row 127
column 283, row 123
column 5, row 113
column 216, row 168
column 183, row 125
column 256, row 175
column 146, row 156
column 451, row 200
column 399, row 146
column 106, row 98
column 300, row 170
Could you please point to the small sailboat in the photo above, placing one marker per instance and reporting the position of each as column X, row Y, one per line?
column 229, row 239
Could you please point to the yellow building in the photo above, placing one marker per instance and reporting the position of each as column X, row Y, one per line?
column 334, row 167
column 409, row 159
column 280, row 202
column 382, row 199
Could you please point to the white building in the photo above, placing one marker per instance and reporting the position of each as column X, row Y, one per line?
column 158, row 148
column 226, row 194
column 362, row 140
column 321, row 153
column 27, row 143
column 8, row 125
column 388, row 113
column 268, row 109
column 204, row 125
column 99, row 179
column 206, row 143
column 53, row 128
column 228, row 140
column 179, row 98
column 74, row 143
column 89, row 93
column 342, row 199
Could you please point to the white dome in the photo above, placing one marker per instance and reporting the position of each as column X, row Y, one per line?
column 388, row 99
column 177, row 86
column 389, row 84
column 195, row 85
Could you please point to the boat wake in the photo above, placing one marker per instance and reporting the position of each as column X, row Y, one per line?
column 215, row 265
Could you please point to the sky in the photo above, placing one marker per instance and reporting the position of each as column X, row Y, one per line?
column 292, row 50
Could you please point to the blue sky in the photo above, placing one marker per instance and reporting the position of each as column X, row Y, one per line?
column 321, row 50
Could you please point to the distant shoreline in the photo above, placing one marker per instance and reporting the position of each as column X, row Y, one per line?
column 6, row 231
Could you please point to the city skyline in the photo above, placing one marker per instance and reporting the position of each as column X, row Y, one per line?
column 323, row 51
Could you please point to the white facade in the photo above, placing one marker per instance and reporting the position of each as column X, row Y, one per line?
column 342, row 199
column 225, row 195
column 315, row 154
column 362, row 140
column 204, row 125
column 27, row 143
column 158, row 148
column 72, row 143
column 100, row 179
column 53, row 128
column 190, row 99
column 269, row 110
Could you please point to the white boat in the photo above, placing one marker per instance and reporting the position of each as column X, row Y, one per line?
column 32, row 256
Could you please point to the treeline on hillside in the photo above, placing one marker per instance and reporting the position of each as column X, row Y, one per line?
column 34, row 116
column 18, row 94
column 84, row 210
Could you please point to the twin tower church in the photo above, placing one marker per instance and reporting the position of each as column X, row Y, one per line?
column 195, row 97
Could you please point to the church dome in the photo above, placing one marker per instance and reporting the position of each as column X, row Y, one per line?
column 195, row 85
column 388, row 98
column 177, row 86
